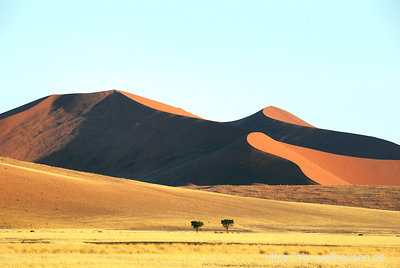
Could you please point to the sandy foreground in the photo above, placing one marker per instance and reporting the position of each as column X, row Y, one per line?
column 42, row 197
column 52, row 217
column 106, row 248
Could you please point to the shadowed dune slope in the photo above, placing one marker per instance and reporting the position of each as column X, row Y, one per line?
column 112, row 134
column 330, row 169
column 38, row 196
column 235, row 164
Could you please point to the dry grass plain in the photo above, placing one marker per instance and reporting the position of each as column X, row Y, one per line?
column 105, row 248
column 366, row 196
column 86, row 220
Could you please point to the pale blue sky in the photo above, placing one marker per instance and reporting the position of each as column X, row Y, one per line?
column 335, row 64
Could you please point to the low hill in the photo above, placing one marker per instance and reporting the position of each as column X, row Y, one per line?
column 39, row 196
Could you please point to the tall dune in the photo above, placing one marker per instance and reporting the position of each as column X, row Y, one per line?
column 112, row 134
column 120, row 134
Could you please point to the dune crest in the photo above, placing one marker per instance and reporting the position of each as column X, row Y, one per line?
column 284, row 116
column 158, row 105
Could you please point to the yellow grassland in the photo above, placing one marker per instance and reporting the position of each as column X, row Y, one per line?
column 104, row 248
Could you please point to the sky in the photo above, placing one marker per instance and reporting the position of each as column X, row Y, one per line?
column 335, row 64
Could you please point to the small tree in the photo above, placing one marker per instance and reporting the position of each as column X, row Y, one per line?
column 196, row 225
column 227, row 223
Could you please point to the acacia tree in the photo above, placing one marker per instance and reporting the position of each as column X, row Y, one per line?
column 227, row 223
column 196, row 225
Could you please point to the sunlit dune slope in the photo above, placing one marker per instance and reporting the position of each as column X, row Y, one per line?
column 284, row 116
column 39, row 196
column 330, row 169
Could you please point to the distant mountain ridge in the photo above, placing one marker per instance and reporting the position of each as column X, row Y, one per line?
column 121, row 134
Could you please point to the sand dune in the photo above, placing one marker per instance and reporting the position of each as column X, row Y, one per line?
column 331, row 169
column 38, row 196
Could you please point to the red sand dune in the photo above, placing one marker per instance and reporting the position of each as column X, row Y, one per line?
column 329, row 169
column 284, row 116
column 158, row 105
